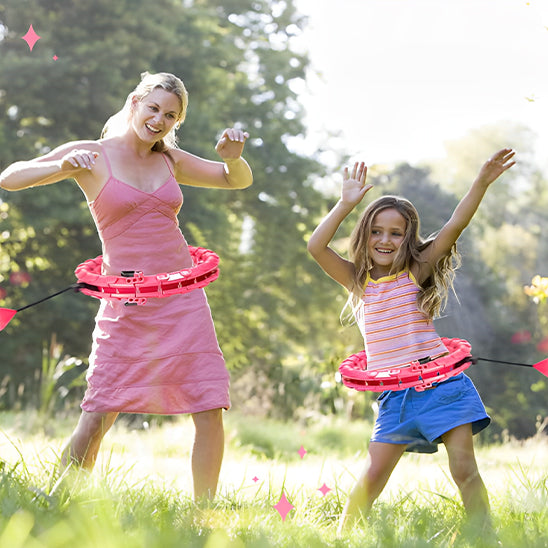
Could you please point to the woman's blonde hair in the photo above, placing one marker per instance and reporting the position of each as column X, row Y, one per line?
column 433, row 293
column 119, row 122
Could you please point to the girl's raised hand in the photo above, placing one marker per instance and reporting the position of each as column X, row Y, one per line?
column 354, row 186
column 231, row 143
column 496, row 166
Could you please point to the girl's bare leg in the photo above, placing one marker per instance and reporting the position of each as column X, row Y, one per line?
column 382, row 459
column 464, row 469
column 207, row 453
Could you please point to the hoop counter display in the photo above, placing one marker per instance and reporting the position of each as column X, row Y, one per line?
column 418, row 374
column 135, row 288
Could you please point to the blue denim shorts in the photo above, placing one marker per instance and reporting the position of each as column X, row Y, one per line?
column 419, row 419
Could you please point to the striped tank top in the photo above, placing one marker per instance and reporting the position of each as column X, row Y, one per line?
column 395, row 332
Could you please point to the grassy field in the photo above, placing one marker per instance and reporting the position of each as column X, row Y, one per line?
column 140, row 492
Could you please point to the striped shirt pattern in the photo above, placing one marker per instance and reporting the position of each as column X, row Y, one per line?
column 395, row 332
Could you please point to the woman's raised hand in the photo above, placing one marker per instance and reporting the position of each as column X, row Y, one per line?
column 354, row 186
column 231, row 144
column 78, row 159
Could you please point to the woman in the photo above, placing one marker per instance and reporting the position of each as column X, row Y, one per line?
column 162, row 357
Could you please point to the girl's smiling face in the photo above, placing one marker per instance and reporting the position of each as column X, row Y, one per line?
column 387, row 234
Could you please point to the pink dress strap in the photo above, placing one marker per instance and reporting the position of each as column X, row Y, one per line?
column 168, row 163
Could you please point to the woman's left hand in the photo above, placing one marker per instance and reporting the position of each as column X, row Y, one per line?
column 231, row 144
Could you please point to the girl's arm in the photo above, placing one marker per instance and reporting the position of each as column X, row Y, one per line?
column 353, row 191
column 74, row 159
column 232, row 173
column 467, row 207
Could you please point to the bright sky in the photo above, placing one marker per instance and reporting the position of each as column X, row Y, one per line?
column 397, row 78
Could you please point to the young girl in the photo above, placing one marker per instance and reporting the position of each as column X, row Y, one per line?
column 162, row 357
column 397, row 284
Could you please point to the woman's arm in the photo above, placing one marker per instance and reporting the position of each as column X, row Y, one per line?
column 467, row 207
column 69, row 160
column 233, row 173
column 353, row 191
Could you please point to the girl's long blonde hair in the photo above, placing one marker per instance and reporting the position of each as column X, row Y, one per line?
column 433, row 293
column 118, row 123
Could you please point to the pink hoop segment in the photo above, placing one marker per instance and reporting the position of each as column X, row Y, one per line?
column 135, row 288
column 419, row 376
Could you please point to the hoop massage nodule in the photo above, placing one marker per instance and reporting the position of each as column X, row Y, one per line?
column 419, row 375
column 135, row 288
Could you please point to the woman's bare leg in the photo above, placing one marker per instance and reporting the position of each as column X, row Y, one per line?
column 207, row 453
column 83, row 446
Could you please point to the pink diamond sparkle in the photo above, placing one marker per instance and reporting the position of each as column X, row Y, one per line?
column 55, row 57
column 283, row 507
column 302, row 452
column 255, row 479
column 31, row 37
column 324, row 489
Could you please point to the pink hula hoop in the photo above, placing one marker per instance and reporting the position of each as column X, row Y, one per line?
column 135, row 288
column 419, row 376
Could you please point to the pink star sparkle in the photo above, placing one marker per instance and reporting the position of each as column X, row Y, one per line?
column 283, row 507
column 324, row 489
column 31, row 37
column 255, row 479
column 55, row 57
column 302, row 452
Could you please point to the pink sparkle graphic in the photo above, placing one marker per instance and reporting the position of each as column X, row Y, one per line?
column 283, row 507
column 302, row 452
column 55, row 57
column 324, row 489
column 31, row 37
column 255, row 479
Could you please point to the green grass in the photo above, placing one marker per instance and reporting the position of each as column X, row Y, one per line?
column 139, row 494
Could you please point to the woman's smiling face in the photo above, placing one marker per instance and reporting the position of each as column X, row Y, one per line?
column 156, row 114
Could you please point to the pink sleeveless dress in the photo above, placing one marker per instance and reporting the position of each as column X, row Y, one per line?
column 161, row 357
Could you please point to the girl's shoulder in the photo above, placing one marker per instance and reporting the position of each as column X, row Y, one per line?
column 420, row 272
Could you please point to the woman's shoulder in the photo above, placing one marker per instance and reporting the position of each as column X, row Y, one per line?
column 65, row 148
column 177, row 154
column 183, row 163
column 85, row 143
column 107, row 142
